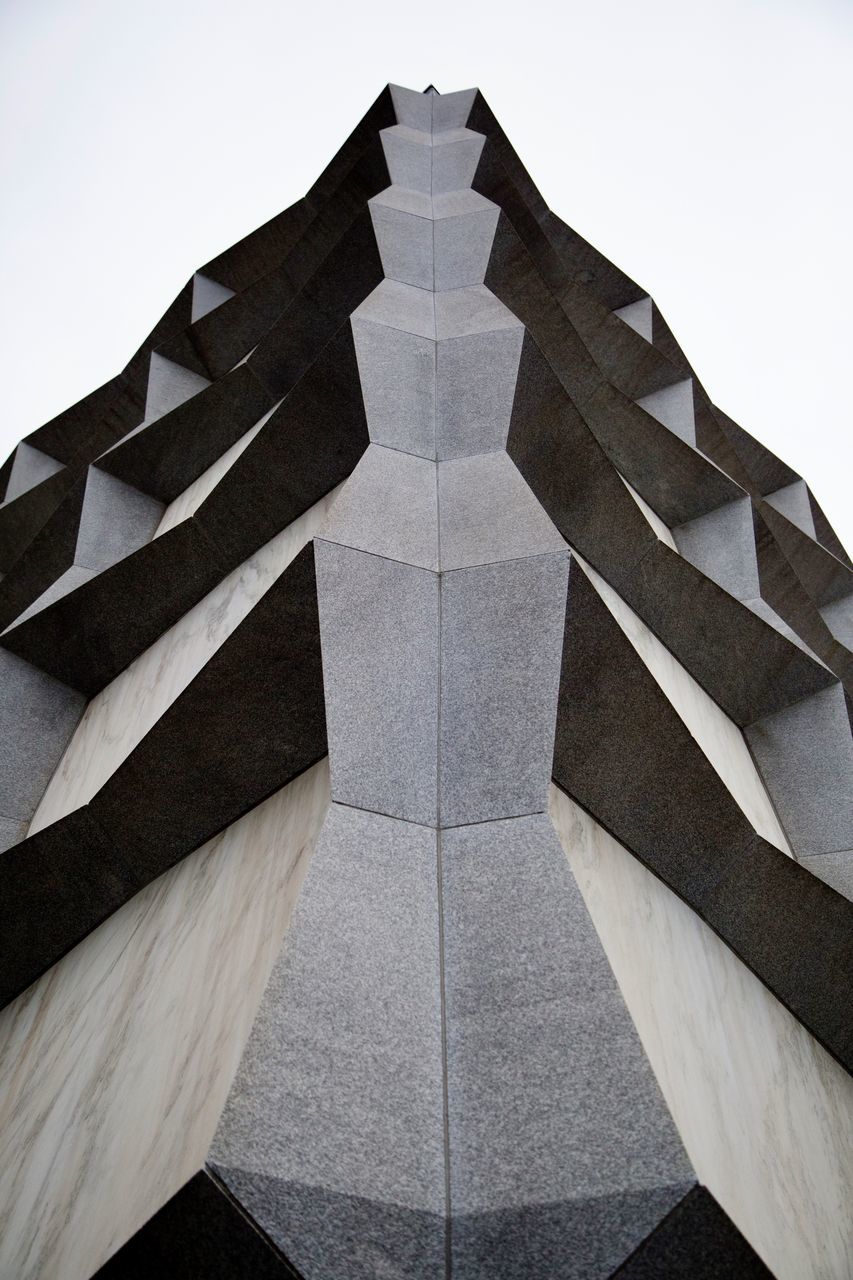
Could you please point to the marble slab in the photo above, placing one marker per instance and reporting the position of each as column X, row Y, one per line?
column 115, row 1065
column 766, row 1115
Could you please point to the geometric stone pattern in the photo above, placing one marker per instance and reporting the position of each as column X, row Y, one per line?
column 443, row 1077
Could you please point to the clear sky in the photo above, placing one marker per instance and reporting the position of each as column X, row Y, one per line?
column 704, row 147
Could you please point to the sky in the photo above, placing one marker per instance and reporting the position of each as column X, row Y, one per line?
column 703, row 147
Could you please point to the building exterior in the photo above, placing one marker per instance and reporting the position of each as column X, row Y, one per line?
column 426, row 763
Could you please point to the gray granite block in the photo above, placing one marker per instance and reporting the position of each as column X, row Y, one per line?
column 488, row 513
column 207, row 296
column 639, row 316
column 805, row 755
column 169, row 385
column 722, row 545
column 408, row 154
column 397, row 374
column 471, row 310
column 673, row 406
column 835, row 869
column 462, row 247
column 412, row 108
column 340, row 1084
column 475, row 384
column 338, row 1237
column 793, row 501
column 12, row 830
column 116, row 519
column 405, row 244
column 501, row 637
column 29, row 467
column 38, row 715
column 400, row 306
column 550, row 1095
column 379, row 633
column 455, row 156
column 451, row 110
column 404, row 200
column 389, row 507
column 581, row 1239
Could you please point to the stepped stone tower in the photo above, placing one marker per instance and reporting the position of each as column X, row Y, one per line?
column 427, row 774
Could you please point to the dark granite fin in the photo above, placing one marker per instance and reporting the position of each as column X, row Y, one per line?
column 696, row 1240
column 250, row 722
column 49, row 553
column 825, row 577
column 23, row 518
column 200, row 1234
column 164, row 458
column 622, row 752
column 341, row 1237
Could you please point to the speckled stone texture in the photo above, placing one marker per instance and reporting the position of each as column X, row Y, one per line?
column 501, row 626
column 340, row 1087
column 563, row 1155
column 379, row 622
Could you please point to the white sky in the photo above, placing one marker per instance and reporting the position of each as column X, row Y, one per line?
column 703, row 147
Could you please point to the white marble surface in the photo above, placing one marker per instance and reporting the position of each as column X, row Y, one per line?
column 720, row 738
column 115, row 1066
column 121, row 714
column 765, row 1113
column 188, row 502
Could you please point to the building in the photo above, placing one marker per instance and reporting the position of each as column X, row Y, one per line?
column 427, row 773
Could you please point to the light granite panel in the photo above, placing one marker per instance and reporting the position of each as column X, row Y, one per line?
column 440, row 243
column 29, row 467
column 207, row 296
column 169, row 385
column 388, row 507
column 188, row 502
column 11, row 831
column 463, row 239
column 673, row 406
column 451, row 110
column 412, row 109
column 116, row 519
column 719, row 737
column 38, row 715
column 766, row 1115
column 501, row 639
column 338, row 1102
column 793, row 502
column 553, row 1111
column 379, row 632
column 488, row 513
column 405, row 243
column 475, row 384
column 397, row 374
column 722, row 545
column 805, row 754
column 639, row 316
column 434, row 111
column 399, row 306
column 115, row 1066
column 408, row 154
column 118, row 717
column 455, row 156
